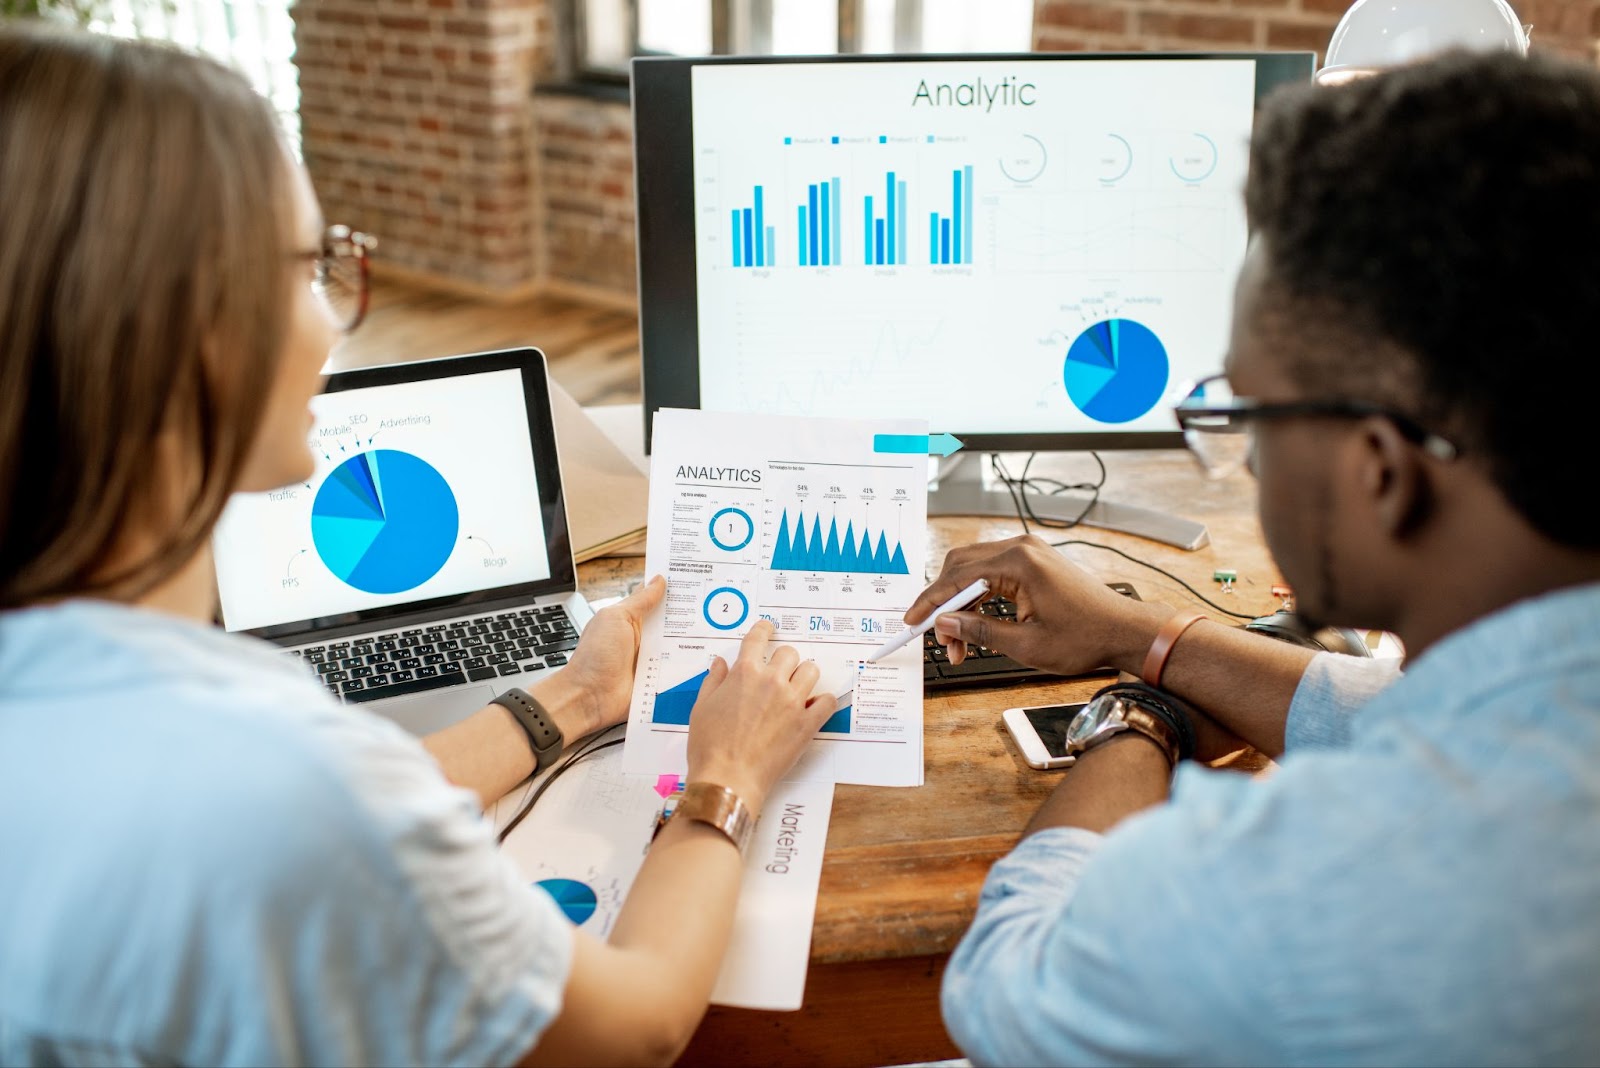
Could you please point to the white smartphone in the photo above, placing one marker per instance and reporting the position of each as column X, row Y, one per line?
column 1041, row 734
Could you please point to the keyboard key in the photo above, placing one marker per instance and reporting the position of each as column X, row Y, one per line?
column 327, row 667
column 475, row 662
column 410, row 663
column 350, row 662
column 424, row 649
column 314, row 656
column 987, row 665
column 402, row 676
column 386, row 645
column 523, row 654
column 427, row 671
column 435, row 629
column 362, row 672
column 353, row 685
column 479, row 674
column 376, row 658
column 558, row 647
column 433, row 658
column 504, row 647
column 401, row 688
column 555, row 659
column 414, row 632
column 930, row 671
column 511, row 669
column 336, row 676
column 499, row 658
column 449, row 646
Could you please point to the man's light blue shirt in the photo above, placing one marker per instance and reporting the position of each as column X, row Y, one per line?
column 204, row 859
column 1418, row 882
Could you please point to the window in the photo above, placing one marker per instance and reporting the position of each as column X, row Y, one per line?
column 609, row 32
column 255, row 37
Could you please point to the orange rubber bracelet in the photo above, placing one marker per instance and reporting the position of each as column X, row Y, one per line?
column 1156, row 659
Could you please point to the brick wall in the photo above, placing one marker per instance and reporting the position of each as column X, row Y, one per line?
column 586, row 156
column 1568, row 26
column 417, row 127
column 422, row 124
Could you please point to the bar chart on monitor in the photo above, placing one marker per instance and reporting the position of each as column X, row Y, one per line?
column 868, row 233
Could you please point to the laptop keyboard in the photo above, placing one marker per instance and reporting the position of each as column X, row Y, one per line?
column 401, row 662
column 984, row 667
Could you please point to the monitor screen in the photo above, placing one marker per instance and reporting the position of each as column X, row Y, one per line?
column 1029, row 251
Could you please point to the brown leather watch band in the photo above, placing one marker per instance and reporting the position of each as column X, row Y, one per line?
column 1160, row 649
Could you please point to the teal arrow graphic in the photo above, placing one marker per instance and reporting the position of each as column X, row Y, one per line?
column 917, row 444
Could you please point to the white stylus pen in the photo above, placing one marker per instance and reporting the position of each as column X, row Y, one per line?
column 911, row 633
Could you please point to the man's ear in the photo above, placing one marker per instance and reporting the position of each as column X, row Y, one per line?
column 1393, row 479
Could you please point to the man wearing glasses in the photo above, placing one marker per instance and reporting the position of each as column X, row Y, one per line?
column 1410, row 374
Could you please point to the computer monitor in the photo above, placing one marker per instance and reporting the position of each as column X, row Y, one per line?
column 1032, row 252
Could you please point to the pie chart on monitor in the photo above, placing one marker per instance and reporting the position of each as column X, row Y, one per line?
column 384, row 521
column 1116, row 371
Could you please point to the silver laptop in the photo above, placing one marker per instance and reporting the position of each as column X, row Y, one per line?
column 426, row 566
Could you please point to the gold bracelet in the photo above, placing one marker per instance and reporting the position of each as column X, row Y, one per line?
column 715, row 806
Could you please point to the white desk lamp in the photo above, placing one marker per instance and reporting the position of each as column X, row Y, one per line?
column 1376, row 34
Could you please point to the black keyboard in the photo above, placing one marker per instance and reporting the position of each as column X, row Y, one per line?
column 985, row 667
column 401, row 662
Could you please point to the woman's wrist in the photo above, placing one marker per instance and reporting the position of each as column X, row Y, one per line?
column 572, row 709
column 753, row 796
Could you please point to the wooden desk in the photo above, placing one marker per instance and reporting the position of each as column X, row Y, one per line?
column 903, row 868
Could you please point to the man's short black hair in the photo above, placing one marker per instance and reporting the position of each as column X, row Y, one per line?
column 1451, row 211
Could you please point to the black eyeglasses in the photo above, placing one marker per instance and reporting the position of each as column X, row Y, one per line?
column 1218, row 426
column 342, row 275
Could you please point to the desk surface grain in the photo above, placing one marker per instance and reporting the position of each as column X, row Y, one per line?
column 903, row 867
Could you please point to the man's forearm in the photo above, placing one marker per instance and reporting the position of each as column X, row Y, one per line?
column 1244, row 681
column 1109, row 783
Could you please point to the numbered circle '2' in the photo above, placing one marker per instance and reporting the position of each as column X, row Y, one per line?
column 726, row 608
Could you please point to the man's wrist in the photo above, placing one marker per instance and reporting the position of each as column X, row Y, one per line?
column 1135, row 636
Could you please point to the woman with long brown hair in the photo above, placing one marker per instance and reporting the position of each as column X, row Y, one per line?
column 203, row 858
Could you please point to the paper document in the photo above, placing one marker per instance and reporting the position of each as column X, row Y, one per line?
column 586, row 839
column 804, row 523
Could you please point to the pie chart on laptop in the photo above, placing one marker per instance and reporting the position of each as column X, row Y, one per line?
column 384, row 521
column 1116, row 371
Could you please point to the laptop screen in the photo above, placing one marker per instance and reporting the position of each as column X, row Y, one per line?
column 423, row 490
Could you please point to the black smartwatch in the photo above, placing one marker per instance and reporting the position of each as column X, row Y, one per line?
column 544, row 737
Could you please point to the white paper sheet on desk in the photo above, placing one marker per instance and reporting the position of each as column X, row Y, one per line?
column 586, row 840
column 804, row 523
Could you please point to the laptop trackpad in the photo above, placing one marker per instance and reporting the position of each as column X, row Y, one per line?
column 429, row 712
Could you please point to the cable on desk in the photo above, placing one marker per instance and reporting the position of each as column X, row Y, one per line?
column 594, row 746
column 1160, row 571
column 1018, row 489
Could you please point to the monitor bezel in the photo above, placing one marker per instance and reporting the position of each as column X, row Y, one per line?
column 669, row 308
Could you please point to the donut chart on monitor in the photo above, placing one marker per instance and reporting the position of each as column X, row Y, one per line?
column 384, row 521
column 1116, row 371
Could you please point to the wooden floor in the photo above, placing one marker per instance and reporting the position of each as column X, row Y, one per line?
column 593, row 350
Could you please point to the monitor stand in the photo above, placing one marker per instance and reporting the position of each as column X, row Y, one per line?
column 960, row 490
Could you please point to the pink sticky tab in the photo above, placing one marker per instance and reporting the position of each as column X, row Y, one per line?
column 666, row 784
